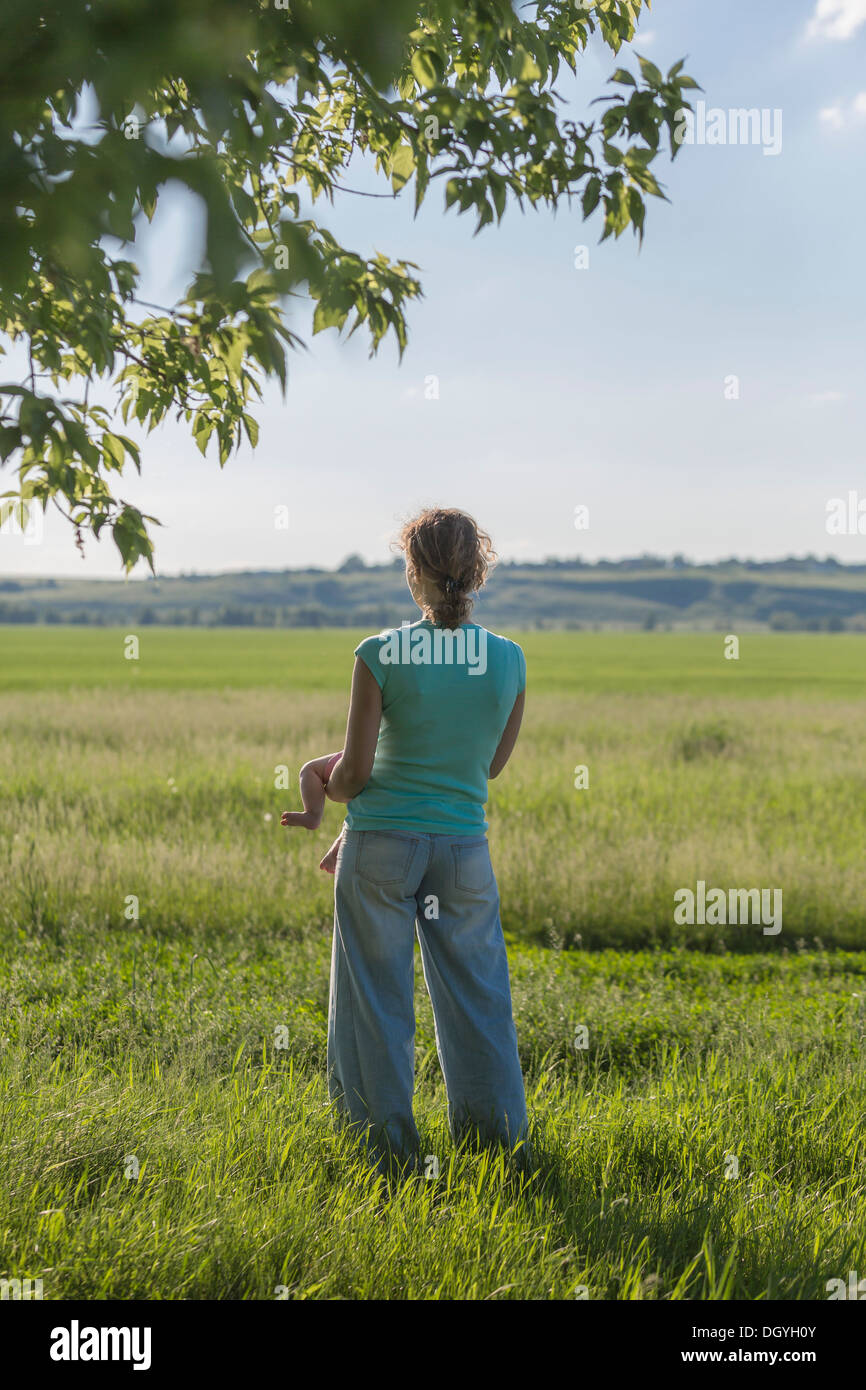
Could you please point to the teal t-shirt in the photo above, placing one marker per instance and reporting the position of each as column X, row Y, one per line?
column 446, row 698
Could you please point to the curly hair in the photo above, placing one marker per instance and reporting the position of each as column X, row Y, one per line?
column 446, row 547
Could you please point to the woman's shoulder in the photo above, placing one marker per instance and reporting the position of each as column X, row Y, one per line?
column 507, row 643
column 374, row 641
column 371, row 650
column 511, row 654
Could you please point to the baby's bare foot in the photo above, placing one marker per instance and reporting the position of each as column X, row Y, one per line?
column 329, row 863
column 310, row 820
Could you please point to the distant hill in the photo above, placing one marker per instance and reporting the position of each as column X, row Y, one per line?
column 792, row 594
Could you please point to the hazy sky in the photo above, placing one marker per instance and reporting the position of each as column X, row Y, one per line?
column 558, row 387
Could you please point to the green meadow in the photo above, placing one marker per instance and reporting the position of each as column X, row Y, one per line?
column 697, row 1091
column 63, row 658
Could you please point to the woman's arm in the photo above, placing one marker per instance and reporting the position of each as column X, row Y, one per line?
column 509, row 737
column 352, row 772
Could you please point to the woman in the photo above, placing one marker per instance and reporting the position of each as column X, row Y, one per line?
column 435, row 711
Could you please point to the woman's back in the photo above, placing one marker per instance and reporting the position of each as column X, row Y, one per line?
column 446, row 697
column 435, row 711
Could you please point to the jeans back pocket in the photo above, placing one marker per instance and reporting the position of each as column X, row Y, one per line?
column 473, row 871
column 384, row 856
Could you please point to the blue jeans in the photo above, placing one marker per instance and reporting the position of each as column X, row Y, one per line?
column 386, row 884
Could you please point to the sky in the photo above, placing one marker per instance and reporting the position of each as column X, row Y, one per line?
column 702, row 395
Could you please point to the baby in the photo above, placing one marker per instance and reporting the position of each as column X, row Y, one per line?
column 313, row 779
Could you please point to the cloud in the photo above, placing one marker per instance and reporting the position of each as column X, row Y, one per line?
column 836, row 118
column 832, row 117
column 648, row 37
column 836, row 19
column 825, row 398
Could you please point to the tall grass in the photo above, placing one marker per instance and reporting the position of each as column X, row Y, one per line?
column 158, row 1143
column 170, row 798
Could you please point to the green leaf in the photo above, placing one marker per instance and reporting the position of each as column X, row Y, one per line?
column 10, row 440
column 131, row 538
column 114, row 449
column 422, row 179
column 651, row 73
column 328, row 316
column 485, row 215
column 524, row 68
column 202, row 436
column 591, row 195
column 402, row 166
column 637, row 211
column 424, row 68
column 499, row 194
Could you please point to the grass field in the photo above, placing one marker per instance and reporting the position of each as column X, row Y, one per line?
column 163, row 1117
column 64, row 658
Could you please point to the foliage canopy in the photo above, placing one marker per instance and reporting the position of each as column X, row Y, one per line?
column 262, row 110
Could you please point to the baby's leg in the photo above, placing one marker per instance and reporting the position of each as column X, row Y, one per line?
column 313, row 797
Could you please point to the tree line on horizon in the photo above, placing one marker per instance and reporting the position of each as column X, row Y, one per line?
column 794, row 594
